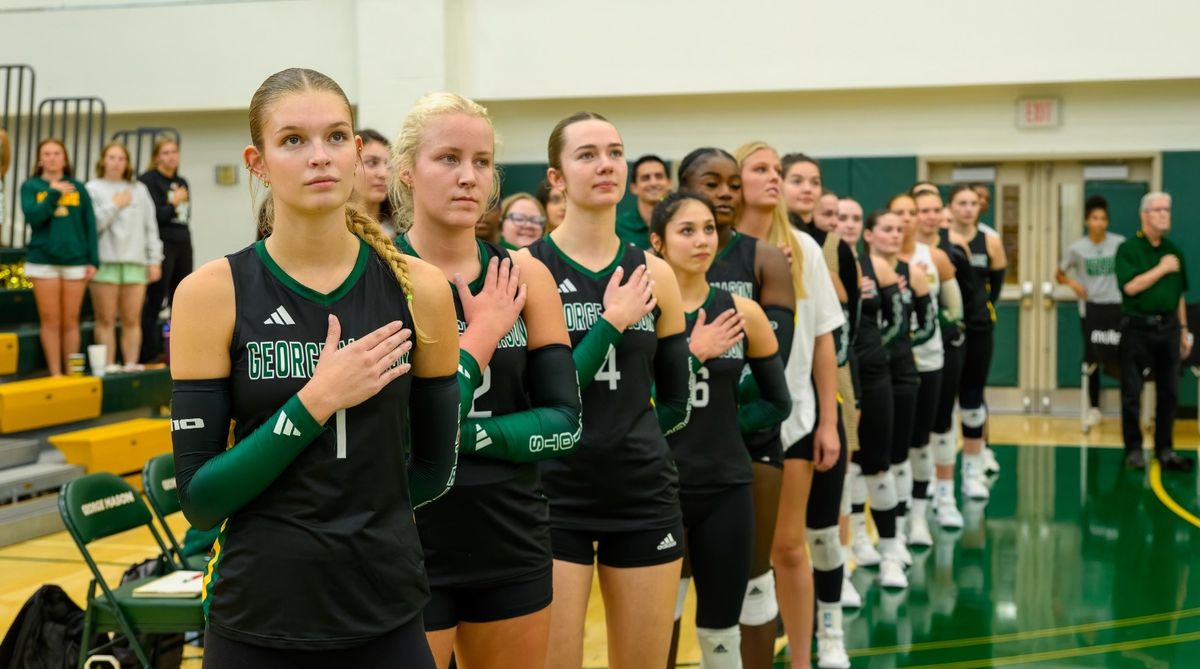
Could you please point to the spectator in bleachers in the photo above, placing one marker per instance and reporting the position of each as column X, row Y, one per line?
column 371, row 180
column 522, row 221
column 1093, row 261
column 555, row 204
column 1154, row 332
column 173, row 208
column 650, row 182
column 62, row 254
column 130, row 253
column 487, row 227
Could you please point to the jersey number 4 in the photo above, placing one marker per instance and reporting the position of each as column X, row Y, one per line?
column 608, row 371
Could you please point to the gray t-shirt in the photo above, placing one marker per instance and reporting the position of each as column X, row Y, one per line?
column 1095, row 267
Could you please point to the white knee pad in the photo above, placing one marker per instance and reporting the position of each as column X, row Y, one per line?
column 844, row 507
column 759, row 607
column 825, row 547
column 882, row 488
column 858, row 485
column 903, row 475
column 720, row 649
column 922, row 463
column 683, row 589
column 944, row 448
column 975, row 417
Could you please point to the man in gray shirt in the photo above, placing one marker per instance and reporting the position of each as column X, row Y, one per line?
column 1092, row 259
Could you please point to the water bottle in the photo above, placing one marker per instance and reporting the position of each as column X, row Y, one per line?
column 167, row 342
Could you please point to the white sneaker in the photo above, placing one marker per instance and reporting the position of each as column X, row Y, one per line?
column 1094, row 417
column 864, row 551
column 975, row 487
column 891, row 573
column 948, row 515
column 831, row 650
column 850, row 597
column 900, row 551
column 991, row 466
column 918, row 530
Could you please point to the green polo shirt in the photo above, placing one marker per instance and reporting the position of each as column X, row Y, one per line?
column 633, row 230
column 1137, row 256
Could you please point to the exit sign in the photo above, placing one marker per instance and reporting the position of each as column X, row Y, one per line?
column 1039, row 113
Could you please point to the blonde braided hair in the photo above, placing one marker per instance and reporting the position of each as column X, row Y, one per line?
column 298, row 80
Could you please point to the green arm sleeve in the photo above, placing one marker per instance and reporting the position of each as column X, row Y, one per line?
column 589, row 355
column 38, row 213
column 550, row 429
column 214, row 481
column 673, row 381
column 774, row 403
column 469, row 379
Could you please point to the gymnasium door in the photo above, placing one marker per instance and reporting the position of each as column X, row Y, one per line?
column 1037, row 206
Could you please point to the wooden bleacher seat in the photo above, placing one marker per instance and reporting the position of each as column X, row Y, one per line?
column 36, row 403
column 117, row 448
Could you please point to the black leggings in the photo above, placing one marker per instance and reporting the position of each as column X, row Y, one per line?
column 976, row 361
column 904, row 406
column 927, row 404
column 943, row 416
column 874, row 428
column 177, row 264
column 824, row 506
column 720, row 531
column 404, row 646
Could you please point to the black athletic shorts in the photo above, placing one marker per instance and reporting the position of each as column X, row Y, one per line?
column 636, row 548
column 803, row 449
column 404, row 646
column 449, row 606
column 765, row 447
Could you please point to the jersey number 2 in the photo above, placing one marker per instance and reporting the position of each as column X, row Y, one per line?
column 609, row 372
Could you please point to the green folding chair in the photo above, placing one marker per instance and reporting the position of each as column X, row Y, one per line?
column 101, row 505
column 158, row 484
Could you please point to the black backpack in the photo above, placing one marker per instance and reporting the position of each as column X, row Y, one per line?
column 45, row 634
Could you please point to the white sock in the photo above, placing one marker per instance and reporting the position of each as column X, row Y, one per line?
column 944, row 489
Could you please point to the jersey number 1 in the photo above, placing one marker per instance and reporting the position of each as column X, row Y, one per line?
column 609, row 372
column 340, row 429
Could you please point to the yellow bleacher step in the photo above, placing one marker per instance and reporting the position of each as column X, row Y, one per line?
column 118, row 448
column 8, row 353
column 28, row 405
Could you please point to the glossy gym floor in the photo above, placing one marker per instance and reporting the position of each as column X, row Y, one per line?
column 1075, row 562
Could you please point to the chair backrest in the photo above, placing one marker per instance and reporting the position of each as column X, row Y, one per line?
column 158, row 482
column 100, row 505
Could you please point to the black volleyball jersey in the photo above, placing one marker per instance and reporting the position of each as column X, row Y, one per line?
column 980, row 314
column 868, row 344
column 710, row 451
column 498, row 530
column 621, row 476
column 900, row 348
column 328, row 555
column 963, row 274
column 733, row 269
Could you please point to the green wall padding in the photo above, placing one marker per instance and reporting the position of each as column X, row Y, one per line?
column 1006, row 346
column 1181, row 178
column 873, row 181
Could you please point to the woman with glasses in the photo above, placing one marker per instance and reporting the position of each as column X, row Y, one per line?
column 522, row 221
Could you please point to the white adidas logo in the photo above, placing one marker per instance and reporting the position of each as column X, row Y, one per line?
column 279, row 317
column 667, row 542
column 567, row 287
column 284, row 426
column 482, row 440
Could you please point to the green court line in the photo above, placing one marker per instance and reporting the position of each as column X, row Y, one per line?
column 1161, row 493
column 1007, row 660
column 1030, row 634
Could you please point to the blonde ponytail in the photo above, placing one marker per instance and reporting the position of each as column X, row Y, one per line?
column 780, row 233
column 368, row 229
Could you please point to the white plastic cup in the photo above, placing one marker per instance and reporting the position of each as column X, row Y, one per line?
column 97, row 358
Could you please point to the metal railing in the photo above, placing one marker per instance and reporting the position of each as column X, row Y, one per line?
column 16, row 117
column 140, row 142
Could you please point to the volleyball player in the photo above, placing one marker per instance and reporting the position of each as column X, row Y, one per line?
column 930, row 219
column 371, row 186
column 616, row 500
column 754, row 268
column 881, row 322
column 726, row 333
column 302, row 339
column 487, row 542
column 928, row 352
column 988, row 265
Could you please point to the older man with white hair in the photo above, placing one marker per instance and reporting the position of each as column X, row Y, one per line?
column 1154, row 334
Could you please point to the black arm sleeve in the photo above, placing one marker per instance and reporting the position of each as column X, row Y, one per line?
column 996, row 284
column 433, row 407
column 673, row 380
column 774, row 403
column 926, row 312
column 549, row 429
column 854, row 378
column 783, row 323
